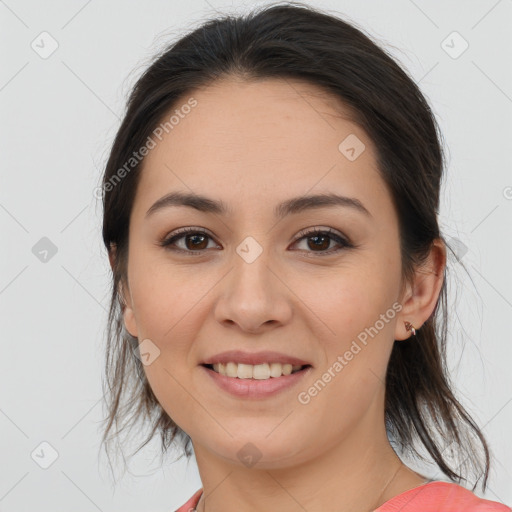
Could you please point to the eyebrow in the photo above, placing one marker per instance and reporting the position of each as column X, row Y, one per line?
column 288, row 207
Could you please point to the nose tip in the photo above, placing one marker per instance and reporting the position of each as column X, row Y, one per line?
column 253, row 297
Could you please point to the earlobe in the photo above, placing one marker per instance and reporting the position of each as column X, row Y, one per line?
column 129, row 321
column 112, row 256
column 128, row 314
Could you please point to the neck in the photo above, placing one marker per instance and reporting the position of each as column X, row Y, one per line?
column 358, row 474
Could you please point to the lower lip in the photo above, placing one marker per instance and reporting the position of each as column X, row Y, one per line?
column 254, row 388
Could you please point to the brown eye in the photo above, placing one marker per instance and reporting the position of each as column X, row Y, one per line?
column 318, row 241
column 194, row 240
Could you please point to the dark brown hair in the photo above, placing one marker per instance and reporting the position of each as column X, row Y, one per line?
column 295, row 41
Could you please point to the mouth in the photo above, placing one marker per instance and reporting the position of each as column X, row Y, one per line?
column 264, row 371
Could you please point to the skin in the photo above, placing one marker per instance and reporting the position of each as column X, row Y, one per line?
column 252, row 145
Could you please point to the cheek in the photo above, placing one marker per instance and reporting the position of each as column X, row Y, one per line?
column 171, row 307
column 168, row 382
column 349, row 303
column 165, row 296
column 357, row 310
column 356, row 358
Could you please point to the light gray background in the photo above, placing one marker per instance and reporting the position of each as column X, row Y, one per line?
column 59, row 116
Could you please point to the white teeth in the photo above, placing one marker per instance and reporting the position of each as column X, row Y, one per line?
column 244, row 371
column 276, row 370
column 259, row 371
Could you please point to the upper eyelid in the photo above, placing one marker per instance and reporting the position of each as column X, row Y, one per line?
column 319, row 229
column 303, row 232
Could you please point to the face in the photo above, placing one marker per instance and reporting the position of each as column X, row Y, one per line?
column 318, row 283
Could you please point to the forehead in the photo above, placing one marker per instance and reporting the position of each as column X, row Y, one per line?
column 281, row 116
column 277, row 137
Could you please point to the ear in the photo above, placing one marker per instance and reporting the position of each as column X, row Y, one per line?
column 126, row 298
column 422, row 296
column 112, row 256
column 128, row 312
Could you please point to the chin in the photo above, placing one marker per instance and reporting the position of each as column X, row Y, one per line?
column 262, row 452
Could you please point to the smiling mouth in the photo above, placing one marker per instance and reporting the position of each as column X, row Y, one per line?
column 263, row 371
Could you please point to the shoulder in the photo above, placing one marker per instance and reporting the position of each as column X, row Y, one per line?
column 431, row 497
column 441, row 497
column 191, row 504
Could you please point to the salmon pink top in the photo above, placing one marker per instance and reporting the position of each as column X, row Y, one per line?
column 429, row 497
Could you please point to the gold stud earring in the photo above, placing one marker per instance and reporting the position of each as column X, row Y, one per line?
column 410, row 327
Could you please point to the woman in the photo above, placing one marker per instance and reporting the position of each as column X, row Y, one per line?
column 270, row 214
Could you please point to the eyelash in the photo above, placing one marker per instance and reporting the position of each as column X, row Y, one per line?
column 305, row 233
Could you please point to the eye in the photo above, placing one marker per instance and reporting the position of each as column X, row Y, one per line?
column 321, row 239
column 193, row 238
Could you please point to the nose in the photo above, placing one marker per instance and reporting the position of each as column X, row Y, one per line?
column 254, row 296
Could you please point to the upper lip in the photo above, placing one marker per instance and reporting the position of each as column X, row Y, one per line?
column 238, row 356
